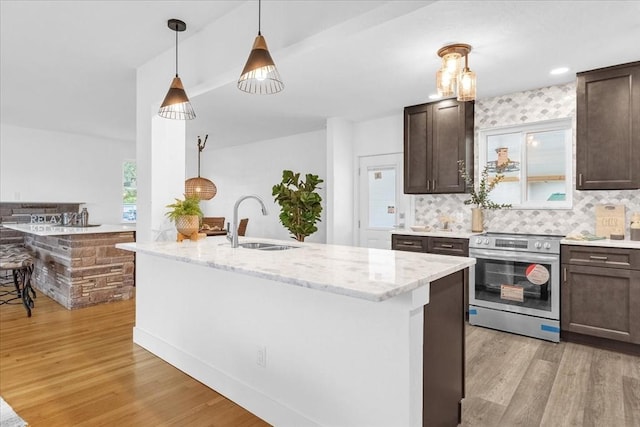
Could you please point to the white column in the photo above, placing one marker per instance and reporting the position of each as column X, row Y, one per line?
column 339, row 182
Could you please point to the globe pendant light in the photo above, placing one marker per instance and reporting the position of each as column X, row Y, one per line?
column 260, row 74
column 199, row 187
column 176, row 104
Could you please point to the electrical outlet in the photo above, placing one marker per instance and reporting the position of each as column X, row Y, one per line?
column 261, row 356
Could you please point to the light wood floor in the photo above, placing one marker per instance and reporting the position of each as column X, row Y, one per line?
column 80, row 367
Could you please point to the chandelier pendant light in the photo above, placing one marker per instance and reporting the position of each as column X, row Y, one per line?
column 176, row 104
column 451, row 76
column 260, row 74
column 200, row 187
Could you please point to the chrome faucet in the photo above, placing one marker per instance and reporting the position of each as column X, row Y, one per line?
column 232, row 232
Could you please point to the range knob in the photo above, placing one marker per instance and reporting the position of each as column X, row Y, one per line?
column 547, row 245
column 478, row 240
column 486, row 241
column 538, row 245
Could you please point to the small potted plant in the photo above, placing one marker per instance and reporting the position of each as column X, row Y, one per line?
column 186, row 215
column 480, row 196
column 300, row 205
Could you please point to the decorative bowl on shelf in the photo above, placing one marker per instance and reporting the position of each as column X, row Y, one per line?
column 420, row 228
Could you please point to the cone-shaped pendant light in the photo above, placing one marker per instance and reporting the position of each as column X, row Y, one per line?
column 199, row 187
column 176, row 104
column 260, row 74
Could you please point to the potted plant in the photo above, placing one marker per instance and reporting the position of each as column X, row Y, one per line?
column 480, row 196
column 186, row 215
column 300, row 205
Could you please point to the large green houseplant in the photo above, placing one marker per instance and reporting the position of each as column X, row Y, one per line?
column 480, row 195
column 186, row 215
column 300, row 204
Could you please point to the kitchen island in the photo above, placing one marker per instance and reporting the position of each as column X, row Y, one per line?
column 309, row 336
column 80, row 266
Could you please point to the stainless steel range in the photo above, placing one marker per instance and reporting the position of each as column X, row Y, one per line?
column 516, row 285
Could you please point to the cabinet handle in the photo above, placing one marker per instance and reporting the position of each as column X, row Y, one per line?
column 434, row 185
column 428, row 184
column 580, row 179
column 407, row 243
column 564, row 274
column 598, row 258
column 446, row 246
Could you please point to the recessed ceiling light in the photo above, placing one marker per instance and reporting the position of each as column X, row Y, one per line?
column 435, row 96
column 559, row 70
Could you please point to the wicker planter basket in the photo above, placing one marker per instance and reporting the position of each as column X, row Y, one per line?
column 188, row 224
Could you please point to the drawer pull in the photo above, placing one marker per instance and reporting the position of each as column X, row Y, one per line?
column 408, row 243
column 446, row 246
column 598, row 258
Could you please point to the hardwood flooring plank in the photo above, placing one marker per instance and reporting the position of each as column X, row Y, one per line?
column 527, row 405
column 80, row 367
column 631, row 366
column 605, row 379
column 631, row 393
column 477, row 412
column 550, row 351
column 496, row 370
column 568, row 394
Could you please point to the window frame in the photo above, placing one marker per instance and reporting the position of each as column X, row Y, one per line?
column 564, row 124
column 124, row 210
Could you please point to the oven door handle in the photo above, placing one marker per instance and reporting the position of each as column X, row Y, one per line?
column 515, row 256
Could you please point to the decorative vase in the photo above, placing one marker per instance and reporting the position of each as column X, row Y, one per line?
column 477, row 220
column 188, row 224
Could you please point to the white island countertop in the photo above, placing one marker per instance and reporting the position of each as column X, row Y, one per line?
column 371, row 274
column 59, row 230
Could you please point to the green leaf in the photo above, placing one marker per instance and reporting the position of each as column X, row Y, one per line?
column 300, row 204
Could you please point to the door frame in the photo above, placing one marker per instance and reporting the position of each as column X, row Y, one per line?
column 409, row 202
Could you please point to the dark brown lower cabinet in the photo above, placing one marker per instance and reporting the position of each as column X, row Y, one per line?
column 444, row 352
column 600, row 297
column 435, row 245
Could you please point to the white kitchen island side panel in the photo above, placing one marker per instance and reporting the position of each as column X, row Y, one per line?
column 330, row 360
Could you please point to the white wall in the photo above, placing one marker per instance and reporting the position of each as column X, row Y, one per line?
column 254, row 169
column 44, row 166
column 379, row 136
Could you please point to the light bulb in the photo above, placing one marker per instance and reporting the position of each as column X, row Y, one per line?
column 262, row 73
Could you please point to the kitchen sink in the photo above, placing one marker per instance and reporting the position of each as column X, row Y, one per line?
column 266, row 246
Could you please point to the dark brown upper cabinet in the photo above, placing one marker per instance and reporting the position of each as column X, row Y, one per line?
column 436, row 136
column 608, row 128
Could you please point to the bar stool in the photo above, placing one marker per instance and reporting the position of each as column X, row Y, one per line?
column 17, row 259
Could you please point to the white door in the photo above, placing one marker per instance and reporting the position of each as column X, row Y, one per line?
column 381, row 199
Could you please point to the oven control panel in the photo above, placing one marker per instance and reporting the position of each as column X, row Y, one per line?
column 517, row 242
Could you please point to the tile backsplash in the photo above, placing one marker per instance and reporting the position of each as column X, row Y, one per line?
column 530, row 106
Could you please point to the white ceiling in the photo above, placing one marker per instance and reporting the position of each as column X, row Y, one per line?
column 71, row 65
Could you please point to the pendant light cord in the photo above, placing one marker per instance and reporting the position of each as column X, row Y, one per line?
column 176, row 30
column 259, row 13
column 201, row 146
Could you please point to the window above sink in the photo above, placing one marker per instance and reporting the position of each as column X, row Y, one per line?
column 536, row 161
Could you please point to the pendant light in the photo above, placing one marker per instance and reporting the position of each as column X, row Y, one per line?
column 176, row 104
column 260, row 74
column 451, row 76
column 200, row 187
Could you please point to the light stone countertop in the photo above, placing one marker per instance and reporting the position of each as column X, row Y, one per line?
column 370, row 274
column 59, row 230
column 608, row 243
column 437, row 233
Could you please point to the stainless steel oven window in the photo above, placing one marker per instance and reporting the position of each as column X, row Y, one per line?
column 495, row 268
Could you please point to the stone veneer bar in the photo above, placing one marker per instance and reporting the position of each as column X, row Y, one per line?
column 79, row 270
